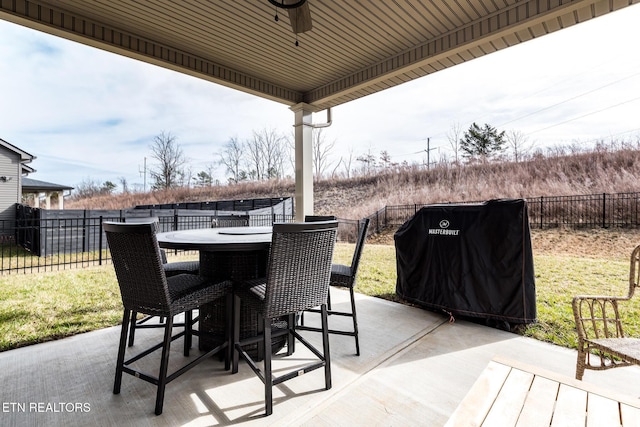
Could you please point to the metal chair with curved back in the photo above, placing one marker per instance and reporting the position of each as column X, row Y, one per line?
column 602, row 342
column 345, row 276
column 297, row 278
column 145, row 288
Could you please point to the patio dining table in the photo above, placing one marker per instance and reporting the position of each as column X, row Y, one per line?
column 228, row 253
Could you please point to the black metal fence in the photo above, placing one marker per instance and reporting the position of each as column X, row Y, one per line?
column 33, row 244
column 617, row 210
column 38, row 245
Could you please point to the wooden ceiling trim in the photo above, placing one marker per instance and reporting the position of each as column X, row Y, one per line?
column 494, row 23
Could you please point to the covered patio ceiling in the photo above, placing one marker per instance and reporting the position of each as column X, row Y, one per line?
column 355, row 48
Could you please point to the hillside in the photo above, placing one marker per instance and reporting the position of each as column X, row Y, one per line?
column 561, row 173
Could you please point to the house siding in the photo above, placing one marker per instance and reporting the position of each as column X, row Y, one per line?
column 9, row 190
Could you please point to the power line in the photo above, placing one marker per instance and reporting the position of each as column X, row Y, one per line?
column 588, row 114
column 570, row 99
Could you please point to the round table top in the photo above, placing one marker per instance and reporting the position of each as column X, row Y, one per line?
column 217, row 239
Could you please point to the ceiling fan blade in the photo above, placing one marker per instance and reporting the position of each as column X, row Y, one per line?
column 300, row 18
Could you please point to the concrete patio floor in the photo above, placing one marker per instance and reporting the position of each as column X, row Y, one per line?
column 414, row 369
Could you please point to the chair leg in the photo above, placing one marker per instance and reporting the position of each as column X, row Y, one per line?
column 261, row 349
column 268, row 378
column 132, row 331
column 325, row 346
column 236, row 334
column 582, row 360
column 126, row 318
column 188, row 331
column 229, row 330
column 355, row 320
column 291, row 340
column 164, row 365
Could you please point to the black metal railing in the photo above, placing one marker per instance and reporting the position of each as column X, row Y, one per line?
column 38, row 245
column 35, row 244
column 603, row 210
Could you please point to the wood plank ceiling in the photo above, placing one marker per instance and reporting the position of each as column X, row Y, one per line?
column 356, row 47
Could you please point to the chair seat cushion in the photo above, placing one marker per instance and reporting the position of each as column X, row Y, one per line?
column 252, row 293
column 341, row 275
column 628, row 348
column 181, row 267
column 188, row 291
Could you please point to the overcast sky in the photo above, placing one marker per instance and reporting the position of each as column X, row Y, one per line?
column 87, row 114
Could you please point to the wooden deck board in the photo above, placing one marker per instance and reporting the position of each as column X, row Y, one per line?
column 510, row 393
column 571, row 407
column 629, row 415
column 602, row 411
column 473, row 411
column 508, row 404
column 538, row 408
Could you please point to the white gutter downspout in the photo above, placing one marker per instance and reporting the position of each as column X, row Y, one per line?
column 303, row 128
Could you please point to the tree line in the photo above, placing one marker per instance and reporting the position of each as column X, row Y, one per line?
column 268, row 154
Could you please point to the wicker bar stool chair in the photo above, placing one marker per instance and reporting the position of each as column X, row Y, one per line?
column 298, row 271
column 170, row 269
column 345, row 276
column 145, row 288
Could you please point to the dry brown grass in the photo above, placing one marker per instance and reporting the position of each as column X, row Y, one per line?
column 599, row 171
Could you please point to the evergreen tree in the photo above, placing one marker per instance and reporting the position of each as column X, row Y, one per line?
column 482, row 143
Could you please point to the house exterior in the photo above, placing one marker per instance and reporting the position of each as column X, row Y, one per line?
column 14, row 184
column 43, row 189
column 13, row 165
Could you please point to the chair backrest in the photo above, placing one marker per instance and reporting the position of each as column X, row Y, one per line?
column 299, row 266
column 138, row 264
column 316, row 218
column 363, row 226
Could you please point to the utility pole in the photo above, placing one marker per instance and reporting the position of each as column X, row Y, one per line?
column 144, row 173
column 428, row 151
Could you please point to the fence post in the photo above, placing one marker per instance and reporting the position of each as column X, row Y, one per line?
column 604, row 210
column 541, row 210
column 84, row 231
column 386, row 219
column 100, row 241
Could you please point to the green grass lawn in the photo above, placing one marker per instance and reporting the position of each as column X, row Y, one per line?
column 39, row 307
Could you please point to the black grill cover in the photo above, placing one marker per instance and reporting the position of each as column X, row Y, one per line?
column 470, row 260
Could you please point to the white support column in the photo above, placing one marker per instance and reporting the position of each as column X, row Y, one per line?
column 60, row 199
column 47, row 200
column 304, row 161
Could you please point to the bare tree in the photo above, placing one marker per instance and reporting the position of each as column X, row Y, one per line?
column 166, row 151
column 348, row 161
column 454, row 135
column 321, row 150
column 368, row 161
column 385, row 161
column 519, row 144
column 232, row 158
column 90, row 188
column 124, row 184
column 266, row 153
